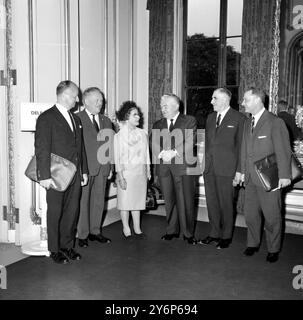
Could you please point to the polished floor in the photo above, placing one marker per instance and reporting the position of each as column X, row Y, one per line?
column 155, row 269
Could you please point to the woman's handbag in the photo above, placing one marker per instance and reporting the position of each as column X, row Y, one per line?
column 151, row 200
column 267, row 171
column 62, row 172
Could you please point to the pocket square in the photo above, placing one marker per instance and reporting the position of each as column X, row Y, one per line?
column 230, row 126
column 262, row 137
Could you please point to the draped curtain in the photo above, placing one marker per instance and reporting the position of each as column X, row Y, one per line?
column 161, row 46
column 260, row 55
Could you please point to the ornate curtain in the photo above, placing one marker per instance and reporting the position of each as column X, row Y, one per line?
column 260, row 48
column 161, row 46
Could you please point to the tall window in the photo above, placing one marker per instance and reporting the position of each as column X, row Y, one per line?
column 212, row 53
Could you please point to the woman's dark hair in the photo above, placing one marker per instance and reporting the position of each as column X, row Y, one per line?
column 125, row 110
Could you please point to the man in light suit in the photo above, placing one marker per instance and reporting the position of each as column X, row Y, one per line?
column 58, row 131
column 171, row 155
column 264, row 134
column 223, row 137
column 93, row 194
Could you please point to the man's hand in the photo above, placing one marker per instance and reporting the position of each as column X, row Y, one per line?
column 46, row 183
column 84, row 180
column 284, row 183
column 167, row 155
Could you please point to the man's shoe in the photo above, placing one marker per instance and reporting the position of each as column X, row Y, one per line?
column 223, row 243
column 99, row 238
column 83, row 243
column 190, row 240
column 170, row 236
column 71, row 254
column 140, row 236
column 59, row 257
column 272, row 257
column 250, row 251
column 209, row 240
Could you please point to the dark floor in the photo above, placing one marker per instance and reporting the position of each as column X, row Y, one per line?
column 154, row 269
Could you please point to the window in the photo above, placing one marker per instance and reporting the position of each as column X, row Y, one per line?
column 212, row 53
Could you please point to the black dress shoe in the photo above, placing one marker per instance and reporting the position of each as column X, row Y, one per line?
column 209, row 240
column 71, row 254
column 190, row 240
column 140, row 236
column 272, row 257
column 250, row 251
column 170, row 236
column 223, row 243
column 59, row 257
column 99, row 238
column 83, row 243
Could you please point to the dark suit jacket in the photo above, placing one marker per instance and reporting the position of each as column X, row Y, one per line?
column 54, row 135
column 92, row 144
column 183, row 140
column 222, row 145
column 293, row 130
column 270, row 136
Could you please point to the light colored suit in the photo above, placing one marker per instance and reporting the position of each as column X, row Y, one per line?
column 93, row 194
column 270, row 135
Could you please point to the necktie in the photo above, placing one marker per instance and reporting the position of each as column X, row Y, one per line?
column 171, row 126
column 252, row 124
column 218, row 120
column 95, row 123
column 72, row 120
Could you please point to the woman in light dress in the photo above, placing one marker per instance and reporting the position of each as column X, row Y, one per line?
column 132, row 161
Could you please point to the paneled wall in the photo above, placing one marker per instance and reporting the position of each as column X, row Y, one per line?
column 93, row 43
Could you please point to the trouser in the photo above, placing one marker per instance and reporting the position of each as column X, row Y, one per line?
column 92, row 206
column 257, row 200
column 219, row 193
column 62, row 215
column 179, row 197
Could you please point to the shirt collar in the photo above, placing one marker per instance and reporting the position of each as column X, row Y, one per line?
column 223, row 113
column 174, row 118
column 61, row 108
column 258, row 115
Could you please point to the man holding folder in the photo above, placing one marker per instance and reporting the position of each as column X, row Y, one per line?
column 264, row 134
column 58, row 131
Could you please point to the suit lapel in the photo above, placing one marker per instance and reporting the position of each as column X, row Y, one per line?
column 225, row 119
column 260, row 123
column 61, row 118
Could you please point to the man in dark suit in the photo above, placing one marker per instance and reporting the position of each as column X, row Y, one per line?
column 173, row 143
column 289, row 119
column 93, row 194
column 264, row 134
column 58, row 131
column 223, row 137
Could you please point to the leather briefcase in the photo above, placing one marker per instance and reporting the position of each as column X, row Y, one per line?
column 62, row 172
column 267, row 171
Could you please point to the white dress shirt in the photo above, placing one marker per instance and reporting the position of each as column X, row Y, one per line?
column 65, row 114
column 174, row 120
column 223, row 114
column 258, row 115
column 91, row 117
